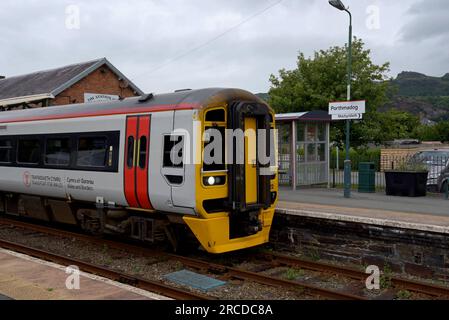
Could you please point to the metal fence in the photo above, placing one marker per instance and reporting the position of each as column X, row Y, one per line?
column 435, row 162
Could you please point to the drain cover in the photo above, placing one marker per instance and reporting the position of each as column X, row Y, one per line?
column 194, row 280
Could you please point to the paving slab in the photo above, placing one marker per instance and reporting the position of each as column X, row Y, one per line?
column 430, row 214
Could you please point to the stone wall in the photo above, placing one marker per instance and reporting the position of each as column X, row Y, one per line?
column 413, row 252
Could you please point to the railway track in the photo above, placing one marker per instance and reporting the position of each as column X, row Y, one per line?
column 225, row 271
column 153, row 286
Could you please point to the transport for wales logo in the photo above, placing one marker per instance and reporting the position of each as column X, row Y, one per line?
column 27, row 179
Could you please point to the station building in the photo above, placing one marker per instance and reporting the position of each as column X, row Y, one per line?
column 91, row 81
column 303, row 143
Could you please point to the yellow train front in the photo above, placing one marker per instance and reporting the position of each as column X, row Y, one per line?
column 235, row 197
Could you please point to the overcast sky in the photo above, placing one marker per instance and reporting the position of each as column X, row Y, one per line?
column 163, row 45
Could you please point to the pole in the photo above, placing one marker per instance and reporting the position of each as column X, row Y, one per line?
column 348, row 184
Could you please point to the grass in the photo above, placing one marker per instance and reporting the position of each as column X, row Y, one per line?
column 108, row 261
column 137, row 269
column 293, row 274
column 179, row 266
column 314, row 254
column 385, row 278
column 404, row 295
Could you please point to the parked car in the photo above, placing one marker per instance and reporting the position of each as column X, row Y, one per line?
column 437, row 162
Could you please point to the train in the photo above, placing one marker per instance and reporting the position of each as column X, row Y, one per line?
column 135, row 167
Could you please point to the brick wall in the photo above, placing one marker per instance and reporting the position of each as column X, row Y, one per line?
column 102, row 81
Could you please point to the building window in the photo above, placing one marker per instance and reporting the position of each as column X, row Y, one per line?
column 92, row 152
column 311, row 133
column 29, row 151
column 321, row 132
column 300, row 152
column 57, row 152
column 5, row 151
column 173, row 151
column 300, row 128
column 322, row 152
column 311, row 152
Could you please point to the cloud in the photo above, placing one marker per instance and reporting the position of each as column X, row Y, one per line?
column 165, row 45
column 429, row 20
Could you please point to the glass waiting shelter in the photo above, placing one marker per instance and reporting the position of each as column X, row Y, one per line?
column 303, row 143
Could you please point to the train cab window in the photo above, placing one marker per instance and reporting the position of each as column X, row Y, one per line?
column 143, row 152
column 5, row 151
column 28, row 151
column 214, row 149
column 57, row 152
column 173, row 151
column 92, row 152
column 217, row 115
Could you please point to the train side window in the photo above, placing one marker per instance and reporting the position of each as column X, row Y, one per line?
column 28, row 151
column 130, row 155
column 143, row 152
column 92, row 152
column 5, row 151
column 57, row 152
column 173, row 151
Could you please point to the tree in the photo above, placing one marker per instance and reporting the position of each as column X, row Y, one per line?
column 438, row 132
column 379, row 127
column 323, row 78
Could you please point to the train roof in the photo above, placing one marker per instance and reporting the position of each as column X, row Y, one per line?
column 182, row 100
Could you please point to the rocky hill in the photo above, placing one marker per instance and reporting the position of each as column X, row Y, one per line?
column 421, row 95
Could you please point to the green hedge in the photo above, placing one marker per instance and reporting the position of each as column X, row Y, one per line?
column 356, row 156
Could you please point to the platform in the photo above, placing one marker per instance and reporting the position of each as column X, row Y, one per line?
column 26, row 278
column 430, row 214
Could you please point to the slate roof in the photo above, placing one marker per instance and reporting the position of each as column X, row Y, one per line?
column 54, row 81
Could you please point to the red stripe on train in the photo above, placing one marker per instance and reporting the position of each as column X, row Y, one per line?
column 103, row 113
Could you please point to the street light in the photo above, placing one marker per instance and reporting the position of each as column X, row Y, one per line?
column 340, row 6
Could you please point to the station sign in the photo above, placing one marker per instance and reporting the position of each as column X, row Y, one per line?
column 347, row 108
column 98, row 97
column 352, row 116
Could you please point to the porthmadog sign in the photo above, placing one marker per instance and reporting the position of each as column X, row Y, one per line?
column 347, row 110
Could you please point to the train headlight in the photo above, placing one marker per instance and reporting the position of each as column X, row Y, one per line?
column 211, row 181
column 214, row 181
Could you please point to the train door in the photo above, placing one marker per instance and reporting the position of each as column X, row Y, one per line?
column 181, row 176
column 248, row 188
column 251, row 175
column 136, row 171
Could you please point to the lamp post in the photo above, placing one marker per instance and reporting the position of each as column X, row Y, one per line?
column 340, row 6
